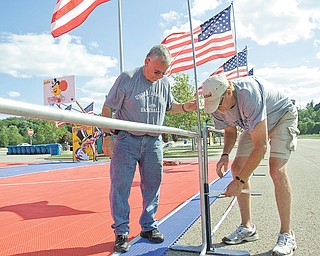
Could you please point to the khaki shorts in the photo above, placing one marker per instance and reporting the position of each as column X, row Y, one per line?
column 282, row 138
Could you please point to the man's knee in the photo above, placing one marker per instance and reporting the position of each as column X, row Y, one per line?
column 278, row 170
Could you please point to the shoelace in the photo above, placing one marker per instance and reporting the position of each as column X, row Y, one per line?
column 154, row 232
column 282, row 240
column 121, row 239
column 241, row 229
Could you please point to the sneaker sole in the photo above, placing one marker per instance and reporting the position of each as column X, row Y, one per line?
column 252, row 238
column 290, row 254
column 121, row 249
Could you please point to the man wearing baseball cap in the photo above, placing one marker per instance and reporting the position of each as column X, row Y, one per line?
column 264, row 114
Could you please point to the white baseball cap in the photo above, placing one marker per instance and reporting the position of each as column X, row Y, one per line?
column 212, row 90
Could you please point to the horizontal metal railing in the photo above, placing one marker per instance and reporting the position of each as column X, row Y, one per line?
column 18, row 108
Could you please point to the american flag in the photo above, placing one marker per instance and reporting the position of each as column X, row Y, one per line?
column 59, row 123
column 229, row 68
column 69, row 14
column 89, row 109
column 212, row 40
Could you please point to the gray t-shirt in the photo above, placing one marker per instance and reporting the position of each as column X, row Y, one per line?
column 136, row 99
column 256, row 100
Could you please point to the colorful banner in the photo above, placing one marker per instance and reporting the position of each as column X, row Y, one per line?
column 82, row 146
column 59, row 90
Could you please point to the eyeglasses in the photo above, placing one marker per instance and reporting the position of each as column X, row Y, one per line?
column 221, row 101
column 156, row 71
column 222, row 98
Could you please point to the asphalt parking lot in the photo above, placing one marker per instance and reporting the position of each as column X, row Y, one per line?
column 304, row 172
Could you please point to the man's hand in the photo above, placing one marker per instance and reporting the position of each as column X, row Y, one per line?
column 234, row 188
column 223, row 162
column 190, row 106
column 107, row 146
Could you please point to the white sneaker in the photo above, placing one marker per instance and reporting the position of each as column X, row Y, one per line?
column 285, row 246
column 241, row 234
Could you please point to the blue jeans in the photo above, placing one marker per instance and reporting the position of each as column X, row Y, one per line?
column 128, row 151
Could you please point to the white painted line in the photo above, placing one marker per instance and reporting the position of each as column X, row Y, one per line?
column 49, row 182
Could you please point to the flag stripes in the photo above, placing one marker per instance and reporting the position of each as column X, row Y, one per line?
column 212, row 40
column 233, row 65
column 69, row 14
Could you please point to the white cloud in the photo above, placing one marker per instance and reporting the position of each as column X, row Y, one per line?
column 96, row 90
column 275, row 21
column 317, row 45
column 301, row 83
column 100, row 84
column 180, row 21
column 200, row 7
column 264, row 22
column 171, row 16
column 14, row 94
column 41, row 55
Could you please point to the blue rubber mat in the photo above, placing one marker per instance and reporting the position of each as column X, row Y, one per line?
column 40, row 167
column 174, row 226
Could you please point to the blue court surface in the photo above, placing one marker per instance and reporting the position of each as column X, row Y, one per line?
column 28, row 168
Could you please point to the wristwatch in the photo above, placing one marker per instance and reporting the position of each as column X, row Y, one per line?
column 106, row 134
column 240, row 180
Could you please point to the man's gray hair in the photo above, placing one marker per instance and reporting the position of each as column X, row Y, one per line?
column 161, row 52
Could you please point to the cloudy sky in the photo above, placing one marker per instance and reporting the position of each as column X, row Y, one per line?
column 283, row 40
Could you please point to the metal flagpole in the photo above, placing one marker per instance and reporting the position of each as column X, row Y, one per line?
column 120, row 37
column 203, row 187
column 206, row 247
column 247, row 58
column 235, row 37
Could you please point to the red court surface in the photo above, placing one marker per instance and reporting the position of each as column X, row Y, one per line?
column 67, row 212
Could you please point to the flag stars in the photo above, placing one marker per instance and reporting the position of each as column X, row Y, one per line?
column 232, row 63
column 216, row 25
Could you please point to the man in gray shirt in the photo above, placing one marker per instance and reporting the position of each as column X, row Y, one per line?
column 142, row 95
column 264, row 114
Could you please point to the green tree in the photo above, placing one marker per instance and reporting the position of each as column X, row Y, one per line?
column 14, row 137
column 4, row 140
column 14, row 130
column 183, row 91
column 309, row 119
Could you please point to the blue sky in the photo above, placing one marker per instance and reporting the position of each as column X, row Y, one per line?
column 283, row 40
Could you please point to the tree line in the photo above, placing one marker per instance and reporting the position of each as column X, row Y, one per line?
column 14, row 130
column 309, row 119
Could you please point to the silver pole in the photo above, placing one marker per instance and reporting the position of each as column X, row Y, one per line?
column 18, row 108
column 120, row 37
column 235, row 37
column 201, row 174
column 247, row 59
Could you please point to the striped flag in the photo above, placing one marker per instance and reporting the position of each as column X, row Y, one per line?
column 69, row 14
column 212, row 40
column 229, row 68
column 89, row 109
column 59, row 123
